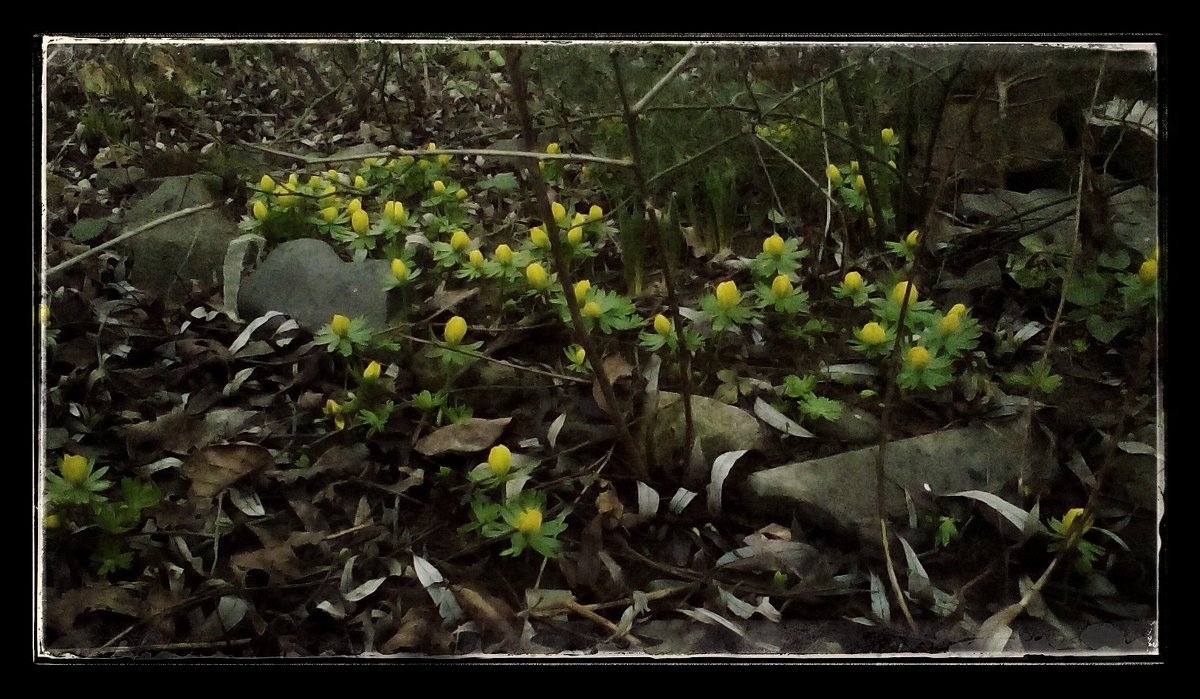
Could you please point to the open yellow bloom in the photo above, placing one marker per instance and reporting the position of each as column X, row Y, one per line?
column 354, row 205
column 371, row 373
column 860, row 185
column 399, row 269
column 663, row 325
column 949, row 324
column 459, row 241
column 912, row 238
column 475, row 258
column 552, row 148
column 504, row 254
column 340, row 325
column 455, row 330
column 439, row 186
column 595, row 213
column 74, row 468
column 266, row 184
column 529, row 522
column 260, row 210
column 539, row 237
column 898, row 293
column 918, row 357
column 887, row 135
column 872, row 333
column 334, row 411
column 460, row 194
column 781, row 286
column 1073, row 514
column 1148, row 272
column 591, row 309
column 853, row 281
column 728, row 295
column 499, row 460
column 360, row 222
column 581, row 288
column 558, row 211
column 329, row 213
column 773, row 246
column 536, row 274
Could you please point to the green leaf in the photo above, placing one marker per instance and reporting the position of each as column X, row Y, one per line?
column 1087, row 289
column 1105, row 330
column 503, row 182
column 87, row 228
column 1117, row 260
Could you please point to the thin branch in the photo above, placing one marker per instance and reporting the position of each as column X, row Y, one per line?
column 882, row 227
column 126, row 236
column 691, row 159
column 493, row 360
column 798, row 166
column 486, row 152
column 675, row 70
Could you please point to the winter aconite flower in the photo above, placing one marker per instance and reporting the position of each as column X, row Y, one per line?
column 591, row 309
column 459, row 240
column 1148, row 272
column 329, row 213
column 580, row 355
column 860, row 185
column 475, row 258
column 552, row 148
column 536, row 274
column 266, row 184
column 359, row 182
column 455, row 330
column 581, row 289
column 354, row 205
column 399, row 269
column 1073, row 514
column 439, row 186
column 539, row 237
column 728, row 295
column 360, row 222
column 260, row 210
column 504, row 254
column 872, row 333
column 912, row 238
column 834, row 174
column 887, row 135
column 74, row 468
column 499, row 460
column 575, row 236
column 957, row 310
column 949, row 324
column 595, row 213
column 333, row 411
column 393, row 211
column 460, row 194
column 781, row 286
column 898, row 293
column 853, row 281
column 529, row 522
column 558, row 211
column 918, row 357
column 371, row 373
column 340, row 325
column 773, row 246
column 663, row 325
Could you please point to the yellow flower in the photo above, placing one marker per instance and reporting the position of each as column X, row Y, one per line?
column 581, row 288
column 369, row 162
column 460, row 240
column 957, row 310
column 860, row 185
column 529, row 522
column 329, row 213
column 872, row 333
column 51, row 521
column 853, row 281
column 536, row 274
column 585, row 171
column 399, row 269
column 918, row 357
column 360, row 222
column 354, row 205
column 887, row 135
column 578, row 220
column 663, row 325
column 266, row 184
column 1148, row 272
column 460, row 194
column 949, row 324
column 728, row 295
column 260, row 210
column 591, row 309
column 332, row 175
column 285, row 200
column 834, row 174
column 371, row 373
column 580, row 355
column 393, row 210
column 340, row 325
column 1154, row 253
column 444, row 158
column 43, row 313
column 898, row 293
column 595, row 213
column 475, row 258
column 406, row 160
column 853, row 166
column 293, row 181
column 455, row 330
column 431, row 146
column 499, row 460
column 558, row 211
column 539, row 237
column 773, row 246
column 439, row 186
column 912, row 238
column 359, row 182
column 1073, row 514
column 575, row 236
column 334, row 411
column 314, row 182
column 504, row 254
column 74, row 468
column 781, row 286
column 552, row 148
column 892, row 164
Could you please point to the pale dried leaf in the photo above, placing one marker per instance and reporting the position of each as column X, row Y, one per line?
column 1009, row 511
column 255, row 324
column 648, row 500
column 487, row 610
column 364, row 590
column 720, row 470
column 555, row 428
column 471, row 435
column 778, row 420
column 215, row 468
column 707, row 617
column 880, row 606
column 333, row 609
column 680, row 500
column 231, row 611
column 247, row 502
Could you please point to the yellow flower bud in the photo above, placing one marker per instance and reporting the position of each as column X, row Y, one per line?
column 860, row 185
column 781, row 286
column 329, row 213
column 354, row 205
column 529, row 522
column 581, row 288
column 536, row 274
column 340, row 325
column 293, row 181
column 332, row 176
column 912, row 238
column 1148, row 272
column 266, row 184
column 439, row 186
column 475, row 258
column 74, row 468
column 892, row 164
column 558, row 211
column 368, row 162
column 360, row 222
column 728, row 295
column 853, row 281
column 423, row 164
column 898, row 293
column 314, row 182
column 406, row 160
column 957, row 310
column 591, row 309
column 1073, row 514
column 460, row 240
column 504, row 254
column 575, row 236
column 887, row 135
column 460, row 194
column 663, row 325
column 444, row 158
column 334, row 411
column 552, row 148
column 853, row 166
column 580, row 355
column 595, row 213
column 431, row 146
column 950, row 323
column 391, row 164
column 260, row 210
column 499, row 460
column 399, row 269
column 586, row 171
column 285, row 200
column 389, row 210
column 539, row 238
column 455, row 330
column 872, row 333
column 51, row 521
column 918, row 357
column 371, row 373
column 773, row 246
column 834, row 174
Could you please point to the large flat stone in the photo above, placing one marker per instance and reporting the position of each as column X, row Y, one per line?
column 308, row 281
column 719, row 427
column 839, row 490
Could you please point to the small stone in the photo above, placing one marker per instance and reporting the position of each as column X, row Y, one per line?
column 719, row 427
column 855, row 425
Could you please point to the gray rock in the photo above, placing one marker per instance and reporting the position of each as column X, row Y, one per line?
column 1031, row 210
column 839, row 491
column 855, row 425
column 1135, row 218
column 719, row 427
column 308, row 281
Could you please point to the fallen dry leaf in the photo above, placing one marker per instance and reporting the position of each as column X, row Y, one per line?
column 472, row 435
column 215, row 468
column 176, row 432
column 61, row 611
column 489, row 611
column 615, row 368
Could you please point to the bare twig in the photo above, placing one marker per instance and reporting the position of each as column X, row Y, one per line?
column 675, row 70
column 126, row 236
column 691, row 159
column 486, row 152
column 882, row 227
column 493, row 360
column 798, row 166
